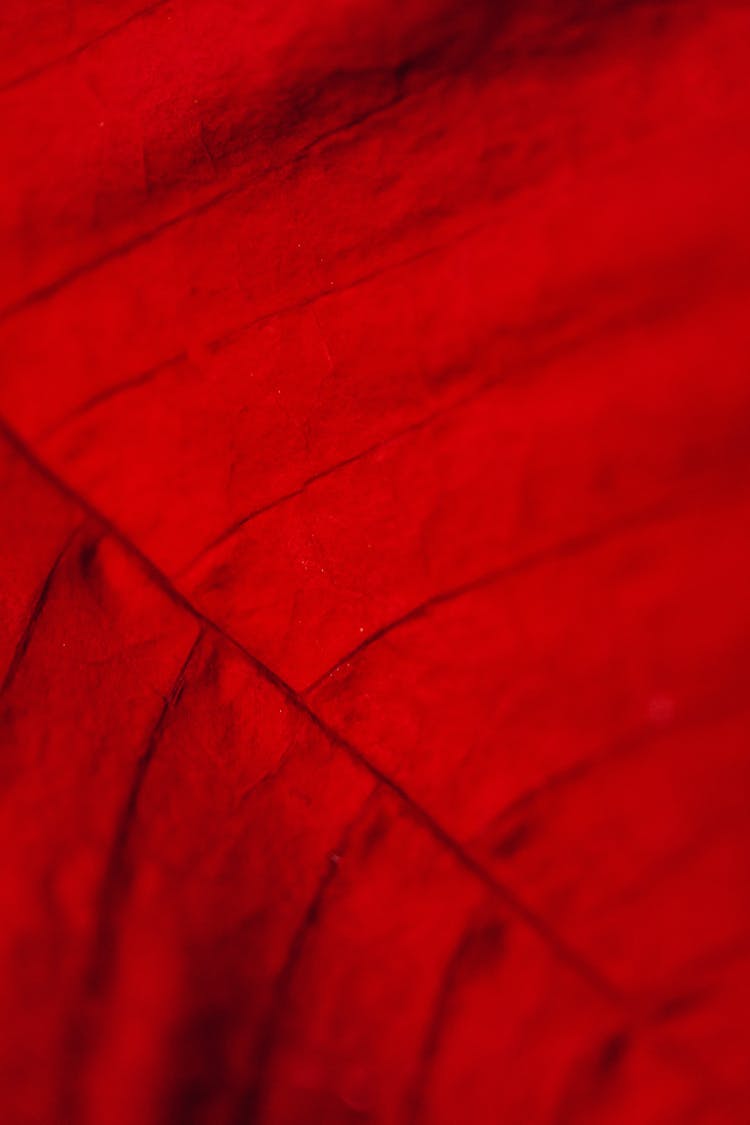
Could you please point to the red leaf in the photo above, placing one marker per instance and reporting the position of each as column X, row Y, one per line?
column 374, row 636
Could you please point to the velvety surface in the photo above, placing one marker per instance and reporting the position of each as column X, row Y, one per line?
column 374, row 554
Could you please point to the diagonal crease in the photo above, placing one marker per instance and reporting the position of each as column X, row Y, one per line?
column 560, row 947
column 36, row 611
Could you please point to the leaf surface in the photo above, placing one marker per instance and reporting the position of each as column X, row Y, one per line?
column 374, row 615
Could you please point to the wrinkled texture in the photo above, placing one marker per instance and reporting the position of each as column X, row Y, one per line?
column 374, row 613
